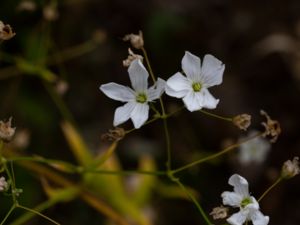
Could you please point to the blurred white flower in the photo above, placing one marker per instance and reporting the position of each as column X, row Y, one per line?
column 255, row 150
column 193, row 89
column 249, row 208
column 136, row 108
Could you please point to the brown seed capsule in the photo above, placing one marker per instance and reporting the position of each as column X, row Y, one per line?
column 242, row 121
column 220, row 212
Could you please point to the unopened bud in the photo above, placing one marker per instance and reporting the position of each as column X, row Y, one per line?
column 242, row 121
column 6, row 32
column 272, row 127
column 136, row 40
column 290, row 168
column 6, row 131
column 50, row 12
column 220, row 212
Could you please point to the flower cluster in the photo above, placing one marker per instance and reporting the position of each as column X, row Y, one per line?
column 240, row 198
column 191, row 87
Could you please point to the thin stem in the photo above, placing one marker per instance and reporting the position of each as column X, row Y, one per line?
column 197, row 204
column 8, row 214
column 168, row 142
column 270, row 188
column 216, row 116
column 148, row 64
column 148, row 122
column 125, row 172
column 231, row 147
column 38, row 213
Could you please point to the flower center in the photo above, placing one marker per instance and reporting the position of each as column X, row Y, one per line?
column 141, row 98
column 245, row 202
column 197, row 87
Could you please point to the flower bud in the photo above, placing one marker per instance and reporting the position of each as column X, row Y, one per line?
column 113, row 135
column 3, row 184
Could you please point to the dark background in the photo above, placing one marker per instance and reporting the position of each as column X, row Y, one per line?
column 259, row 42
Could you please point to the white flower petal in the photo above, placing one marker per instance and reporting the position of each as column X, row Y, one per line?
column 191, row 66
column 123, row 113
column 178, row 82
column 231, row 198
column 156, row 90
column 138, row 76
column 176, row 94
column 240, row 185
column 212, row 71
column 258, row 218
column 193, row 101
column 238, row 218
column 117, row 92
column 209, row 101
column 140, row 114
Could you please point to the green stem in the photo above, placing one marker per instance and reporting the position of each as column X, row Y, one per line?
column 8, row 214
column 197, row 204
column 148, row 64
column 27, row 216
column 270, row 188
column 148, row 122
column 38, row 213
column 215, row 155
column 125, row 172
column 216, row 116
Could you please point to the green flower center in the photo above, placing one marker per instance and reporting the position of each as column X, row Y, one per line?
column 141, row 98
column 245, row 202
column 197, row 87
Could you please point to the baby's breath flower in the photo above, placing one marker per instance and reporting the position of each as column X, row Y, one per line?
column 242, row 121
column 6, row 131
column 249, row 207
column 272, row 127
column 290, row 168
column 6, row 32
column 220, row 212
column 193, row 88
column 131, row 57
column 253, row 151
column 136, row 108
column 3, row 184
column 136, row 40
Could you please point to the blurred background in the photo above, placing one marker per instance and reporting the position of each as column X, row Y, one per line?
column 69, row 48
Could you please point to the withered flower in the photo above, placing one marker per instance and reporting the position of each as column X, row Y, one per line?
column 290, row 168
column 272, row 127
column 113, row 134
column 6, row 131
column 131, row 57
column 6, row 32
column 136, row 40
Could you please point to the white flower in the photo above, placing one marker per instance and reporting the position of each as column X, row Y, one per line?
column 249, row 208
column 255, row 150
column 3, row 184
column 193, row 88
column 136, row 108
